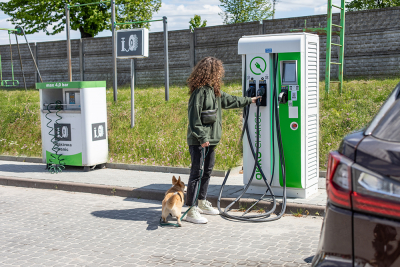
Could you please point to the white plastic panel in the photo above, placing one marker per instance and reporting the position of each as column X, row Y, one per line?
column 312, row 110
column 272, row 43
column 94, row 112
column 264, row 123
column 312, row 74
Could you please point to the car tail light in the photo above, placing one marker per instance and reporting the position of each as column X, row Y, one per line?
column 352, row 186
column 374, row 193
column 339, row 180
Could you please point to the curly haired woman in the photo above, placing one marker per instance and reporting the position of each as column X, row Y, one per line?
column 205, row 95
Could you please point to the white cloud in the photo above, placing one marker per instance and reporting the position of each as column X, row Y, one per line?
column 215, row 9
column 322, row 9
column 317, row 6
column 180, row 12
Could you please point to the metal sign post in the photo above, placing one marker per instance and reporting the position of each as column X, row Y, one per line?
column 166, row 67
column 114, row 48
column 132, row 93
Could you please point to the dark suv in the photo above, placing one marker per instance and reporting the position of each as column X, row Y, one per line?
column 362, row 223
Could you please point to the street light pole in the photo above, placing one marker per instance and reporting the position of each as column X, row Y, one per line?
column 68, row 42
column 114, row 50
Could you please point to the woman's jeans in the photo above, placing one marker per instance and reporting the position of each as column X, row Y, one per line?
column 196, row 155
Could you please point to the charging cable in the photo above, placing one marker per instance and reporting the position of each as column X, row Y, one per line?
column 264, row 217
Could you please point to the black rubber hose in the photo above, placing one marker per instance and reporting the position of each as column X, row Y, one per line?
column 260, row 218
column 248, row 184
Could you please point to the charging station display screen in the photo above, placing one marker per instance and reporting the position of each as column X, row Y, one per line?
column 289, row 72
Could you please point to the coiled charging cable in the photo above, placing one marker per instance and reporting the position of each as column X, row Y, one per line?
column 264, row 217
column 56, row 162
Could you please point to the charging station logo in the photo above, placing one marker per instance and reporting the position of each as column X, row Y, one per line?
column 98, row 131
column 133, row 43
column 258, row 65
column 62, row 132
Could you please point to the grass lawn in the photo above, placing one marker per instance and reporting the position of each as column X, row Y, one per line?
column 351, row 111
column 159, row 135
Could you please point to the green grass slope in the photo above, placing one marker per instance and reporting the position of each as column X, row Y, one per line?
column 159, row 135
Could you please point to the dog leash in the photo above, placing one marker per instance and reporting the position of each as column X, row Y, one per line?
column 204, row 155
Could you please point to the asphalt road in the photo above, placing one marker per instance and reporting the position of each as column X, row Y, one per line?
column 56, row 228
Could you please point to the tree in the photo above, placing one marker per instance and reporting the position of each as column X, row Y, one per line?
column 237, row 11
column 195, row 22
column 370, row 4
column 49, row 16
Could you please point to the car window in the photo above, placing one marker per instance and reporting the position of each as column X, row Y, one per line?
column 385, row 107
column 388, row 128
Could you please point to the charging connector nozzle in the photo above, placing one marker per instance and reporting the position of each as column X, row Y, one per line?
column 262, row 91
column 252, row 91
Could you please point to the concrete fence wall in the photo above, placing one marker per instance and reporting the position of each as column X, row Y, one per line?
column 372, row 48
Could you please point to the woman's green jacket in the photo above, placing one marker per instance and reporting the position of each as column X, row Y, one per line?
column 204, row 98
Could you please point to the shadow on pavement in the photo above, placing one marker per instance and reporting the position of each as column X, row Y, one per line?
column 309, row 259
column 151, row 215
column 22, row 168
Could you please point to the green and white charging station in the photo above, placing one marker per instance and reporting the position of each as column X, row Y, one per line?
column 74, row 116
column 297, row 82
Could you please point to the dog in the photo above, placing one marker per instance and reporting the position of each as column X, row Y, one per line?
column 173, row 200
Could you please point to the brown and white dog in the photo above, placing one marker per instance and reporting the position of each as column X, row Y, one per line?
column 173, row 200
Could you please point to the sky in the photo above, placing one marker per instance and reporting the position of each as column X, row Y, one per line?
column 179, row 13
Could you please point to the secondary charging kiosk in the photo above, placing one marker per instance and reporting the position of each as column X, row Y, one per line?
column 74, row 123
column 296, row 82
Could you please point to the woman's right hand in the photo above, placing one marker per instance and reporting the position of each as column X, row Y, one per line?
column 206, row 144
column 254, row 99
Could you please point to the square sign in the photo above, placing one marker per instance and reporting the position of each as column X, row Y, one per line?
column 133, row 43
column 99, row 131
column 62, row 132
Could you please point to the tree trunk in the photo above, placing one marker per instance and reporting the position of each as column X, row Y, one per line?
column 84, row 34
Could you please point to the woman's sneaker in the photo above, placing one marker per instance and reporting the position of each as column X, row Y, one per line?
column 194, row 216
column 206, row 208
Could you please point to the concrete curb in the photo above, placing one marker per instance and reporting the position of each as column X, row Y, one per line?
column 122, row 166
column 131, row 192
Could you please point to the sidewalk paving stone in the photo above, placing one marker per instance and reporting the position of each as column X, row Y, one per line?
column 42, row 228
column 149, row 183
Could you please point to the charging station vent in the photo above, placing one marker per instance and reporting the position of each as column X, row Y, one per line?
column 311, row 148
column 312, row 75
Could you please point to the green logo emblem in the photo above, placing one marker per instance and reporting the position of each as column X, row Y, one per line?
column 257, row 67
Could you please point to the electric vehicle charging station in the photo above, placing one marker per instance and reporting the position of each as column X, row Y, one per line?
column 74, row 123
column 295, row 57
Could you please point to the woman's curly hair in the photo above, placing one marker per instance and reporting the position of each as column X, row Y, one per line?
column 209, row 71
